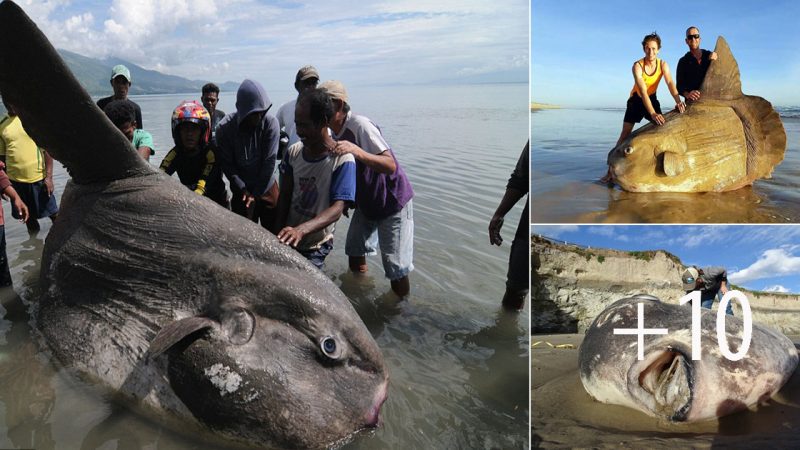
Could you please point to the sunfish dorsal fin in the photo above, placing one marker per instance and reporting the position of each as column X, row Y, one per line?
column 55, row 109
column 722, row 80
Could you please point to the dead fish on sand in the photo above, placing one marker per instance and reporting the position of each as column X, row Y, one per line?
column 723, row 142
column 667, row 383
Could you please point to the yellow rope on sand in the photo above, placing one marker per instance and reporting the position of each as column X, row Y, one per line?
column 553, row 346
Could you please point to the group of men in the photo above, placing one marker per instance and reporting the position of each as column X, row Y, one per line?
column 333, row 161
column 295, row 172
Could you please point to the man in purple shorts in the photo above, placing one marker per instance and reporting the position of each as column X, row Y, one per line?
column 384, row 216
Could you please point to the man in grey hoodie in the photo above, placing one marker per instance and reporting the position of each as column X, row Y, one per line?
column 247, row 145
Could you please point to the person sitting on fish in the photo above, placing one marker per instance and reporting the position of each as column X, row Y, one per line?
column 710, row 281
column 647, row 73
column 193, row 155
column 692, row 67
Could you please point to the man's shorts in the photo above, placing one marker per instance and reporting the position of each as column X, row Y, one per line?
column 636, row 111
column 394, row 235
column 34, row 195
column 317, row 256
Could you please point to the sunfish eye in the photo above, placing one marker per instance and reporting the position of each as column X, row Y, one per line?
column 238, row 325
column 628, row 150
column 329, row 347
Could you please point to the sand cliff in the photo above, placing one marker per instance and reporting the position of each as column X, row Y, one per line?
column 571, row 285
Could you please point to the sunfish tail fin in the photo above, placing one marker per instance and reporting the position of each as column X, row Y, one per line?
column 55, row 109
column 764, row 135
column 722, row 81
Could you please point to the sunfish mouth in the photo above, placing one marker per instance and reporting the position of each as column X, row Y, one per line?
column 373, row 417
column 669, row 380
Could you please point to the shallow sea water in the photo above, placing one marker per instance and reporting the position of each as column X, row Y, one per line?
column 568, row 156
column 458, row 363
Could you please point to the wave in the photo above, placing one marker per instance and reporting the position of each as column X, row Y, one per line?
column 788, row 112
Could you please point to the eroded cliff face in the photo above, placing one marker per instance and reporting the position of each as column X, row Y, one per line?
column 571, row 285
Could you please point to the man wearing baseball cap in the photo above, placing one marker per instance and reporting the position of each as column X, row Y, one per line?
column 121, row 82
column 307, row 78
column 710, row 281
column 384, row 214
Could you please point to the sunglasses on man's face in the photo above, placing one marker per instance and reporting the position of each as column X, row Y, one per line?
column 692, row 36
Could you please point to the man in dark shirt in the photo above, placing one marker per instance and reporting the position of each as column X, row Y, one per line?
column 210, row 99
column 121, row 82
column 517, row 282
column 247, row 146
column 692, row 67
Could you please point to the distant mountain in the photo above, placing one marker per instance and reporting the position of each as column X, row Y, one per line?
column 94, row 75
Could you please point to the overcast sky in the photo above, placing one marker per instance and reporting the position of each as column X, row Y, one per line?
column 582, row 50
column 358, row 42
column 757, row 257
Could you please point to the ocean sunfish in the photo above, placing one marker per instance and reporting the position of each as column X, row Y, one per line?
column 667, row 383
column 723, row 142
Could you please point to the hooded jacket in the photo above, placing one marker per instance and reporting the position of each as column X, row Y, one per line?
column 247, row 155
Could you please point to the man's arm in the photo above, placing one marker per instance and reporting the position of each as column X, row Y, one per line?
column 144, row 144
column 269, row 143
column 225, row 150
column 8, row 190
column 679, row 105
column 680, row 79
column 516, row 188
column 210, row 167
column 166, row 163
column 48, row 168
column 381, row 163
column 285, row 197
column 293, row 235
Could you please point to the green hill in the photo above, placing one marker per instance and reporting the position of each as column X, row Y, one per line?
column 94, row 75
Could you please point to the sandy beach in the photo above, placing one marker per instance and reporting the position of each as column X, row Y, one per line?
column 564, row 416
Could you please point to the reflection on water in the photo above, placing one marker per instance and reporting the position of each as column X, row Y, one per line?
column 568, row 154
column 458, row 364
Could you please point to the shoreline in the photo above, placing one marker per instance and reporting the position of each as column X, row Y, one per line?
column 538, row 106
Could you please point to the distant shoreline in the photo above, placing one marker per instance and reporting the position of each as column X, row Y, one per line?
column 537, row 106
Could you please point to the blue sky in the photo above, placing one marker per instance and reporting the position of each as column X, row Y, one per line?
column 359, row 42
column 757, row 257
column 582, row 51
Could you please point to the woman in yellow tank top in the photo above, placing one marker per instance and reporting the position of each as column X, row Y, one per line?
column 647, row 73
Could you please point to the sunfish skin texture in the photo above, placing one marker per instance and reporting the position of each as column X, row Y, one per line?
column 667, row 383
column 723, row 142
column 185, row 311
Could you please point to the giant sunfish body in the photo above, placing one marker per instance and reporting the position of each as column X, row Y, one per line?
column 667, row 383
column 178, row 306
column 721, row 143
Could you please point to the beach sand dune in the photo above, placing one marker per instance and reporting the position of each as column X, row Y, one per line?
column 563, row 415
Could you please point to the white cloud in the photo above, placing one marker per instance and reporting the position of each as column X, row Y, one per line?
column 367, row 42
column 610, row 231
column 776, row 288
column 772, row 263
column 553, row 231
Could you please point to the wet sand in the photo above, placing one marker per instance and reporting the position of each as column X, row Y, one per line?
column 564, row 416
